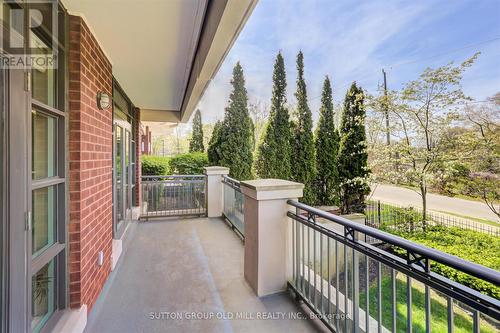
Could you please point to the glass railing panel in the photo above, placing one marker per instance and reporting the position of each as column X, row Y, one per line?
column 233, row 205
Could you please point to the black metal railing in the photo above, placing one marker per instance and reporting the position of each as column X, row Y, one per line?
column 173, row 195
column 233, row 205
column 356, row 287
column 384, row 215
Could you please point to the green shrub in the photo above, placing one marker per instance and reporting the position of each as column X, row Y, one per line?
column 155, row 165
column 188, row 164
column 469, row 245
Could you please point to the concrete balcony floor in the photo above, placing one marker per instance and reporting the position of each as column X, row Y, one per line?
column 184, row 266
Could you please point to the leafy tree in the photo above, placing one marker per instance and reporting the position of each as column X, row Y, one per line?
column 353, row 156
column 478, row 146
column 327, row 146
column 425, row 110
column 196, row 142
column 214, row 145
column 237, row 135
column 274, row 152
column 486, row 185
column 304, row 170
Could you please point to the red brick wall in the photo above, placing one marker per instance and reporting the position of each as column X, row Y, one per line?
column 90, row 166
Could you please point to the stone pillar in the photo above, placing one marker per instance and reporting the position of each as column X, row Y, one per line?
column 215, row 190
column 268, row 256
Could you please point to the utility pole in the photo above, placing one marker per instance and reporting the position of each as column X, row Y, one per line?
column 386, row 109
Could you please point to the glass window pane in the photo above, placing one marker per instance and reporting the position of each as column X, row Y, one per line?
column 44, row 219
column 43, row 145
column 43, row 75
column 118, row 166
column 42, row 300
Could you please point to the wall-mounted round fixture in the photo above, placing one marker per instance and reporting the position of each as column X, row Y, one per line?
column 103, row 100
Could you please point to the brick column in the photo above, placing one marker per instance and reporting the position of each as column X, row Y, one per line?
column 90, row 167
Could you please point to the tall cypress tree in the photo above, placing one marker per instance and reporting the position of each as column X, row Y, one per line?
column 327, row 146
column 304, row 170
column 274, row 152
column 237, row 134
column 196, row 142
column 214, row 145
column 353, row 156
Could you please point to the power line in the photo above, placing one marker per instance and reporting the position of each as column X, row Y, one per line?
column 444, row 53
column 421, row 59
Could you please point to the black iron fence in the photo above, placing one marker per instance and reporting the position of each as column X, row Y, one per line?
column 353, row 286
column 173, row 195
column 408, row 219
column 233, row 205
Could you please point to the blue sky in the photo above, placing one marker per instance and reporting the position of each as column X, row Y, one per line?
column 353, row 40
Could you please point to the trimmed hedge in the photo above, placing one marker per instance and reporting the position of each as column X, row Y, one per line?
column 188, row 164
column 155, row 165
column 469, row 245
column 183, row 164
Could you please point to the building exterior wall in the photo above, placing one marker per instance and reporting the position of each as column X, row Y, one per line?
column 90, row 166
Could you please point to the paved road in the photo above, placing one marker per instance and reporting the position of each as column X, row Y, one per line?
column 406, row 197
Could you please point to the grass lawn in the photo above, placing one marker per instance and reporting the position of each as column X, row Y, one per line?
column 439, row 312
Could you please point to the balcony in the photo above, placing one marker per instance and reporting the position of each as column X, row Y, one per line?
column 182, row 267
column 298, row 268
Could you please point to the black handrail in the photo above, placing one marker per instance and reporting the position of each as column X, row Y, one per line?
column 476, row 270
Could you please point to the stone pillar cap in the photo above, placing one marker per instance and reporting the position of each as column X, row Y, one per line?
column 270, row 189
column 216, row 170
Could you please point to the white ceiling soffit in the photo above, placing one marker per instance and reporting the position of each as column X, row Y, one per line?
column 164, row 52
column 151, row 44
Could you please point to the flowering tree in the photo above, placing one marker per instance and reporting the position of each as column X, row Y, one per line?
column 422, row 113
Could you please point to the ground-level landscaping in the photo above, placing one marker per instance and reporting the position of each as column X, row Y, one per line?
column 439, row 312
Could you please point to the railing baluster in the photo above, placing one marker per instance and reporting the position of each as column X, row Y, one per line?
column 449, row 303
column 314, row 269
column 394, row 299
column 355, row 290
column 321, row 270
column 427, row 300
column 379, row 296
column 427, row 309
column 297, row 254
column 337, row 301
column 309, row 263
column 329, row 280
column 346, row 291
column 294, row 239
column 409, row 320
column 367, row 288
column 475, row 321
column 302, row 266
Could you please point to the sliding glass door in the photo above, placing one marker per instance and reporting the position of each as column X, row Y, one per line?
column 123, row 161
column 122, row 176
